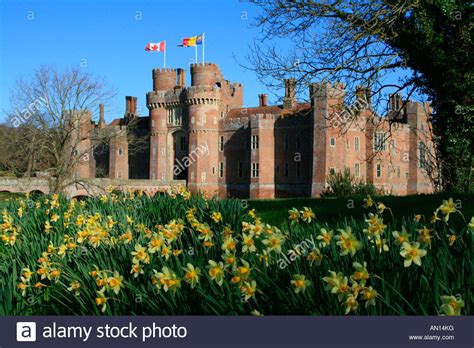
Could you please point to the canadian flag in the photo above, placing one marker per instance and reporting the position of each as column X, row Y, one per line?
column 159, row 47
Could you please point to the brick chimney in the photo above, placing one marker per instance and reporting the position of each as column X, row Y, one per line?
column 181, row 73
column 101, row 116
column 290, row 94
column 262, row 100
column 133, row 105
column 128, row 101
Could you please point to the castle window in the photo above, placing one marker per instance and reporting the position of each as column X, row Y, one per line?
column 357, row 143
column 332, row 171
column 298, row 169
column 120, row 151
column 255, row 170
column 393, row 145
column 357, row 170
column 221, row 169
column 240, row 170
column 203, row 176
column 222, row 114
column 287, row 169
column 254, row 142
column 406, row 175
column 182, row 143
column 213, row 170
column 332, row 142
column 422, row 155
column 285, row 141
column 278, row 169
column 379, row 170
column 221, row 143
column 379, row 142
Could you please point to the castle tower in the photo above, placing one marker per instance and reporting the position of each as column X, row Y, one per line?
column 203, row 99
column 326, row 100
column 164, row 80
column 118, row 153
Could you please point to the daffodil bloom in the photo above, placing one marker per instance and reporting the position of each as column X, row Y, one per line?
column 74, row 287
column 425, row 236
column 248, row 243
column 307, row 214
column 417, row 217
column 273, row 243
column 216, row 271
column 229, row 259
column 101, row 300
column 351, row 304
column 294, row 215
column 115, row 282
column 380, row 244
column 369, row 295
column 451, row 239
column 251, row 213
column 27, row 274
column 401, row 237
column 381, row 208
column 300, row 283
column 155, row 244
column 140, row 254
column 361, row 274
column 47, row 227
column 368, row 202
column 54, row 217
column 229, row 244
column 412, row 253
column 334, row 280
column 137, row 269
column 314, row 256
column 447, row 208
column 325, row 238
column 348, row 242
column 248, row 290
column 20, row 212
column 126, row 237
column 471, row 224
column 167, row 280
column 129, row 220
column 216, row 216
column 242, row 272
column 191, row 275
column 40, row 285
column 375, row 226
column 22, row 287
column 452, row 305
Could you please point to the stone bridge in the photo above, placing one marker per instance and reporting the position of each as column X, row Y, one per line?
column 87, row 187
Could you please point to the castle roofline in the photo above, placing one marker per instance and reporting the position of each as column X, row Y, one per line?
column 270, row 109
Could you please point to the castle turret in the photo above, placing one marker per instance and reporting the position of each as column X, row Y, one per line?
column 203, row 100
column 164, row 79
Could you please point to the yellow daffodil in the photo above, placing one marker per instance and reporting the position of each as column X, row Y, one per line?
column 412, row 253
column 216, row 271
column 167, row 280
column 369, row 295
column 351, row 303
column 273, row 243
column 452, row 305
column 74, row 287
column 248, row 243
column 307, row 214
column 451, row 239
column 368, row 202
column 325, row 238
column 294, row 215
column 314, row 256
column 115, row 283
column 401, row 237
column 140, row 254
column 216, row 216
column 191, row 275
column 348, row 242
column 101, row 300
column 300, row 283
column 361, row 274
column 248, row 290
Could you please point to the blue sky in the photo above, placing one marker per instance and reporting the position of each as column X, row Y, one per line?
column 108, row 38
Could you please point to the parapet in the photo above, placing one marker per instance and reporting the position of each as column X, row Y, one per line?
column 205, row 74
column 164, row 79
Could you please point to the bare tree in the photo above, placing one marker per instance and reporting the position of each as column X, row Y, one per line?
column 53, row 108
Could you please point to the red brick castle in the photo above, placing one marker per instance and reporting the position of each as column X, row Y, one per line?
column 204, row 135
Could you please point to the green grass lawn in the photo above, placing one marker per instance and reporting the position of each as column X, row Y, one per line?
column 336, row 209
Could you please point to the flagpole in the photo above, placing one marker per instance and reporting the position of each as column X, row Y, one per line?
column 203, row 47
column 196, row 54
column 164, row 56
